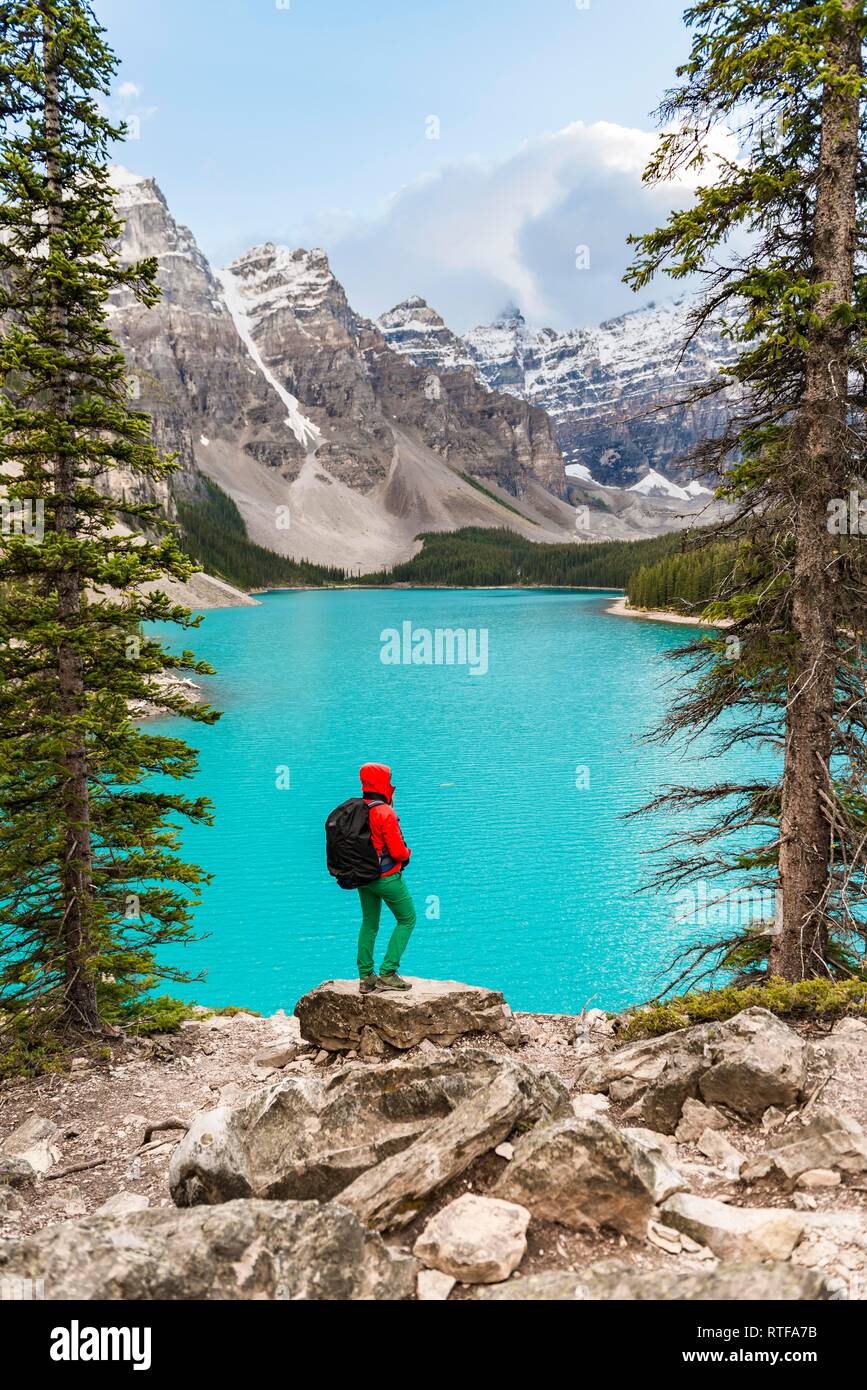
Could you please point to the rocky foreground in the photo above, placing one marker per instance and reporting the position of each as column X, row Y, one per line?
column 434, row 1145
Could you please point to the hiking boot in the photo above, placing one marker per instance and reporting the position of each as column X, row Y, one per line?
column 368, row 983
column 393, row 982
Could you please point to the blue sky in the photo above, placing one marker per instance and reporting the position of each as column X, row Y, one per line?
column 310, row 124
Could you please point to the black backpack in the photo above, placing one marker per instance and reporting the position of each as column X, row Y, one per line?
column 352, row 859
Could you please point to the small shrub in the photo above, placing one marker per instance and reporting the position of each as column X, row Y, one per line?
column 161, row 1014
column 29, row 1047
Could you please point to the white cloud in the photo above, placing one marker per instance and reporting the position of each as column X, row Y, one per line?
column 128, row 91
column 477, row 234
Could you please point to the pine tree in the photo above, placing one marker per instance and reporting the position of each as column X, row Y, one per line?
column 786, row 78
column 90, row 883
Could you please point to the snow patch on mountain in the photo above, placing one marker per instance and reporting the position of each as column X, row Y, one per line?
column 236, row 301
column 579, row 470
column 653, row 484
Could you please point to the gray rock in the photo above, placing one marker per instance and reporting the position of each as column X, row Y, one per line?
column 241, row 1250
column 721, row 1152
column 746, row 1064
column 478, row 1240
column 855, row 1027
column 664, row 1237
column 819, row 1177
column 393, row 1192
column 433, row 1286
column 122, row 1203
column 757, row 1061
column 15, row 1172
column 726, row 1283
column 695, row 1118
column 34, row 1141
column 279, row 1054
column 660, row 1105
column 845, row 1046
column 586, row 1174
column 756, row 1168
column 735, row 1233
column 773, row 1118
column 589, row 1104
column 371, row 1046
column 335, row 1016
column 822, row 1138
column 311, row 1135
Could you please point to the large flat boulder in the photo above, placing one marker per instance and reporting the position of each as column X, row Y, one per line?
column 747, row 1064
column 586, row 1173
column 241, row 1250
column 726, row 1283
column 311, row 1135
column 334, row 1015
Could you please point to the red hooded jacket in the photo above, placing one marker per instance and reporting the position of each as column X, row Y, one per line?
column 384, row 825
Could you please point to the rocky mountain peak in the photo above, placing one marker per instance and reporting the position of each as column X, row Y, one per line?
column 274, row 279
column 511, row 314
column 417, row 331
column 184, row 275
column 414, row 310
column 612, row 390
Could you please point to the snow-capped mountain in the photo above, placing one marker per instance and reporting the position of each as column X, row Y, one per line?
column 611, row 391
column 334, row 447
column 340, row 439
column 417, row 331
column 188, row 366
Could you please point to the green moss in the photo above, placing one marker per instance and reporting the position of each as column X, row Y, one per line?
column 808, row 999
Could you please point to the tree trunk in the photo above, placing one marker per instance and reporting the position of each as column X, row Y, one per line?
column 80, row 1006
column 818, row 473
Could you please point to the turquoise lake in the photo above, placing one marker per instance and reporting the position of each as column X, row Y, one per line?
column 511, row 790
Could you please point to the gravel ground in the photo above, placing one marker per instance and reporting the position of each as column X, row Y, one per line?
column 103, row 1111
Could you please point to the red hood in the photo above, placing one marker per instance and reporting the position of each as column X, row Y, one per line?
column 376, row 777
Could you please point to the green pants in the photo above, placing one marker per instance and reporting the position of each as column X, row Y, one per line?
column 394, row 892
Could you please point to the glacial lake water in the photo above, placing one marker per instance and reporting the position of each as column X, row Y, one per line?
column 511, row 789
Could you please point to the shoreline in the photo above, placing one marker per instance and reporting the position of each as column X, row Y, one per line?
column 454, row 588
column 619, row 609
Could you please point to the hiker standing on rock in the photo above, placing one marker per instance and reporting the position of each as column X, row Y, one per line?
column 367, row 851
